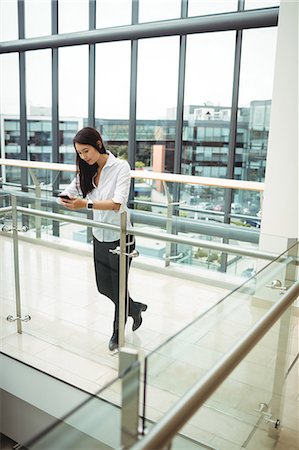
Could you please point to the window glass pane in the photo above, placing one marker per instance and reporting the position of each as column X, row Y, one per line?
column 156, row 100
column 151, row 10
column 113, row 12
column 9, row 20
column 10, row 113
column 254, row 4
column 73, row 83
column 37, row 18
column 112, row 95
column 38, row 91
column 73, row 15
column 112, row 90
column 10, row 103
column 204, row 7
column 67, row 130
column 207, row 109
column 256, row 84
column 73, row 100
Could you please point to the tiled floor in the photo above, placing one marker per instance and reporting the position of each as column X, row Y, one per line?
column 71, row 324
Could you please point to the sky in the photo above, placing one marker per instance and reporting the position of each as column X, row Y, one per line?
column 209, row 61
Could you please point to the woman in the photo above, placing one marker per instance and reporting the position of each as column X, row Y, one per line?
column 103, row 184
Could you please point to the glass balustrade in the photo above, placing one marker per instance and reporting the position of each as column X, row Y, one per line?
column 68, row 319
column 53, row 414
column 7, row 283
column 58, row 291
column 184, row 210
column 247, row 409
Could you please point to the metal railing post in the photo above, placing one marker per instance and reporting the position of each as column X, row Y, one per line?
column 122, row 280
column 128, row 359
column 168, row 223
column 283, row 359
column 16, row 261
column 38, row 194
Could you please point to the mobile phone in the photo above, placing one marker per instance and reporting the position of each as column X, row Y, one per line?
column 64, row 196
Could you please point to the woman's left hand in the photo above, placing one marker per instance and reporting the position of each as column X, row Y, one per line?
column 74, row 203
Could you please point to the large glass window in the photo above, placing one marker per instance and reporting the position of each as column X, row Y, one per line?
column 37, row 18
column 73, row 81
column 207, row 108
column 38, row 92
column 156, row 99
column 10, row 114
column 73, row 15
column 9, row 20
column 110, row 13
column 256, row 83
column 73, row 95
column 152, row 10
column 204, row 7
column 9, row 95
column 112, row 95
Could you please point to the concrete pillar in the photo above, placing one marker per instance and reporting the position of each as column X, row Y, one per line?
column 280, row 206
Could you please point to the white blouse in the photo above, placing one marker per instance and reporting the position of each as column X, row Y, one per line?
column 114, row 184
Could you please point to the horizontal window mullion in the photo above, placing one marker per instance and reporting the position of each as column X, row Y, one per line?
column 203, row 24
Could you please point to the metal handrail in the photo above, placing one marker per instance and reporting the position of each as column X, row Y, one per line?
column 145, row 174
column 162, row 433
column 167, row 237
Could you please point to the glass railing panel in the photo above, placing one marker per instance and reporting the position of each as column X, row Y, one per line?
column 174, row 367
column 62, row 299
column 96, row 423
column 257, row 402
column 58, row 415
column 101, row 421
column 69, row 320
column 158, row 206
column 7, row 276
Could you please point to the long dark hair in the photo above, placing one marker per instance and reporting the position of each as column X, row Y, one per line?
column 86, row 172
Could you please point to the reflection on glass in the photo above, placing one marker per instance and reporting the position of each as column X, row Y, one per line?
column 37, row 9
column 156, row 100
column 67, row 155
column 110, row 13
column 152, row 10
column 248, row 204
column 207, row 110
column 73, row 82
column 72, row 15
column 38, row 79
column 204, row 7
column 256, row 83
column 9, row 20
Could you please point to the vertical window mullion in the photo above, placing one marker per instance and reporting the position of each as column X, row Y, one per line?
column 133, row 91
column 180, row 97
column 232, row 134
column 55, row 85
column 22, row 81
column 92, row 66
column 234, row 118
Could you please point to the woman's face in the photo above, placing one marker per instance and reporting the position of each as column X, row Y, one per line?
column 87, row 152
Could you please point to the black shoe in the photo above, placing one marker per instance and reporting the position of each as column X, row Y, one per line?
column 137, row 319
column 113, row 343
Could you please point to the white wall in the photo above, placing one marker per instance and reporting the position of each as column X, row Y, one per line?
column 280, row 207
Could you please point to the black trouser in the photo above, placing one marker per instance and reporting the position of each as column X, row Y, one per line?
column 107, row 274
